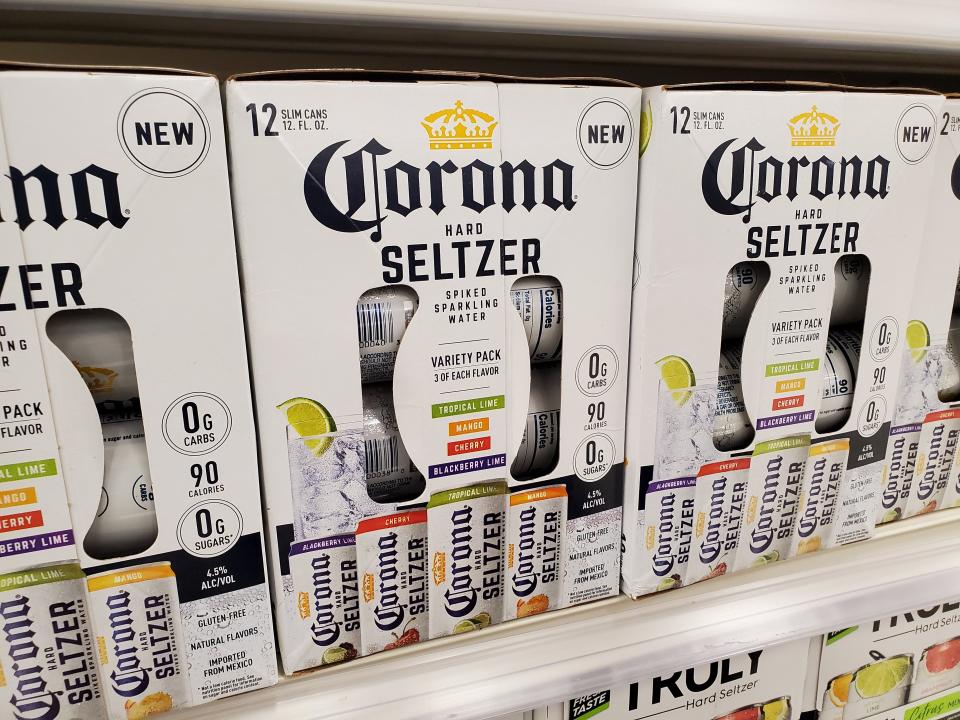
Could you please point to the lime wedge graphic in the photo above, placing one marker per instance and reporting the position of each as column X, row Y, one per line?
column 767, row 559
column 881, row 677
column 677, row 375
column 668, row 584
column 918, row 339
column 776, row 710
column 464, row 626
column 309, row 418
column 646, row 128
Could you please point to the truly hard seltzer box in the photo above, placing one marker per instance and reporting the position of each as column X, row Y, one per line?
column 429, row 233
column 919, row 473
column 758, row 685
column 123, row 356
column 879, row 666
column 770, row 217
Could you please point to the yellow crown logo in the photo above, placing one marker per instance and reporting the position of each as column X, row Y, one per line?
column 459, row 128
column 98, row 379
column 814, row 129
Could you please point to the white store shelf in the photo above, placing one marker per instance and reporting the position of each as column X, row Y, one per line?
column 519, row 665
column 648, row 41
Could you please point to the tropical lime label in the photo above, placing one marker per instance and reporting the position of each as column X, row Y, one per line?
column 773, row 500
column 466, row 538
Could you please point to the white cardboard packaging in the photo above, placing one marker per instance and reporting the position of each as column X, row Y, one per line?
column 454, row 189
column 115, row 195
column 796, row 177
column 923, row 643
column 755, row 685
column 911, row 478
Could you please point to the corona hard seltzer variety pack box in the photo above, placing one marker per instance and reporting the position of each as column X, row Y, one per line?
column 883, row 666
column 424, row 333
column 775, row 260
column 127, row 430
column 920, row 472
column 758, row 685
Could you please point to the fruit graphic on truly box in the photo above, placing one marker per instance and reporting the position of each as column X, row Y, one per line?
column 938, row 669
column 782, row 223
column 881, row 665
column 758, row 685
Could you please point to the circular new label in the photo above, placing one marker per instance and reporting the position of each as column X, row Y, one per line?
column 196, row 423
column 210, row 528
column 163, row 132
column 916, row 130
column 605, row 133
column 594, row 457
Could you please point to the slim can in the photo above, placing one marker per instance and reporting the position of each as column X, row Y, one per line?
column 466, row 539
column 136, row 617
column 536, row 527
column 938, row 670
column 383, row 316
column 126, row 520
column 732, row 428
column 851, row 283
column 46, row 647
column 839, row 379
column 822, row 481
column 935, row 461
column 392, row 555
column 539, row 300
column 899, row 467
column 773, row 499
column 742, row 289
column 540, row 446
column 718, row 509
column 99, row 345
column 949, row 383
column 391, row 475
column 326, row 599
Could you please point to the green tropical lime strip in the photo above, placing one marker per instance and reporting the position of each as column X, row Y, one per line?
column 918, row 339
column 881, row 677
column 646, row 128
column 309, row 419
column 776, row 710
column 677, row 375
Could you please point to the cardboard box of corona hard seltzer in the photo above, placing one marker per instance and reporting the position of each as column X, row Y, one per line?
column 122, row 348
column 758, row 685
column 424, row 332
column 777, row 240
column 920, row 473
